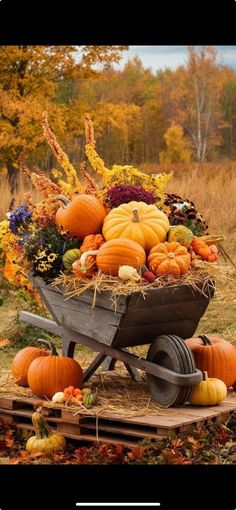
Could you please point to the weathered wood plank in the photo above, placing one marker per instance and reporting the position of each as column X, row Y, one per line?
column 54, row 298
column 171, row 295
column 6, row 403
column 103, row 299
column 128, row 336
column 169, row 312
column 98, row 326
column 126, row 431
column 41, row 322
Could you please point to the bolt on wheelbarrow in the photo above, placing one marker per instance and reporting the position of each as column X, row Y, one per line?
column 162, row 317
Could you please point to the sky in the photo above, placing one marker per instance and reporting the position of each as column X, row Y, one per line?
column 160, row 57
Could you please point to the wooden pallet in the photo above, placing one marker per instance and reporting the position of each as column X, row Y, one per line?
column 115, row 428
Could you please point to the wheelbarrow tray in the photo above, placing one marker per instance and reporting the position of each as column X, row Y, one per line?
column 162, row 317
column 136, row 319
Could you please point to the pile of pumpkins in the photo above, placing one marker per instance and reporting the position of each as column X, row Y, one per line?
column 133, row 241
column 51, row 376
column 216, row 358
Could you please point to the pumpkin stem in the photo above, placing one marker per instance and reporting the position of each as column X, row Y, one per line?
column 205, row 376
column 135, row 215
column 205, row 339
column 85, row 255
column 50, row 345
column 63, row 199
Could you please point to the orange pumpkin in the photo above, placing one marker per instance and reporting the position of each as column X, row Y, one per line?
column 169, row 258
column 82, row 216
column 92, row 242
column 85, row 270
column 118, row 252
column 145, row 224
column 215, row 356
column 49, row 374
column 23, row 360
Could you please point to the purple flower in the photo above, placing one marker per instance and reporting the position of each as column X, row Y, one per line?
column 124, row 194
column 20, row 219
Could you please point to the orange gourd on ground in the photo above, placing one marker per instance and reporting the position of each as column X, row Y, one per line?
column 137, row 221
column 82, row 216
column 22, row 362
column 169, row 259
column 215, row 356
column 49, row 374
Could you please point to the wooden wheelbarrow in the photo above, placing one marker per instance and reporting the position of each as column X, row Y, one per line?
column 162, row 318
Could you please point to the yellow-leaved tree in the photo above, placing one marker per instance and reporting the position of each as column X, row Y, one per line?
column 29, row 81
column 177, row 150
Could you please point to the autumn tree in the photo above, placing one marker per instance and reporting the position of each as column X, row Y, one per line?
column 29, row 79
column 125, row 111
column 192, row 95
column 177, row 150
column 228, row 105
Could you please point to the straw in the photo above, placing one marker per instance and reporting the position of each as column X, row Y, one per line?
column 117, row 395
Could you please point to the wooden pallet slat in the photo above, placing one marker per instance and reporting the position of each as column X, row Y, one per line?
column 114, row 428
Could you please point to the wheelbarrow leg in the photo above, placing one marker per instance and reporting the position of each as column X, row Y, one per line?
column 133, row 372
column 109, row 364
column 93, row 366
column 68, row 348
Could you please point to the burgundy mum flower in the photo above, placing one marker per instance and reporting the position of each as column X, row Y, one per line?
column 124, row 194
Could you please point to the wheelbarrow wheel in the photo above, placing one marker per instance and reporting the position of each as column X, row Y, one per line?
column 171, row 352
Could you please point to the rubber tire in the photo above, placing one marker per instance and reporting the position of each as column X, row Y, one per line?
column 171, row 352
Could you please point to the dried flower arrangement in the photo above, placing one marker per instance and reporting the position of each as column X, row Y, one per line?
column 128, row 220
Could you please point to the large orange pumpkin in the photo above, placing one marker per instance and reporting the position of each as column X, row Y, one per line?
column 23, row 360
column 50, row 374
column 215, row 356
column 169, row 258
column 118, row 252
column 82, row 216
column 145, row 224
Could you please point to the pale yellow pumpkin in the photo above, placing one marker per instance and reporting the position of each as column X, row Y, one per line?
column 209, row 392
column 145, row 224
